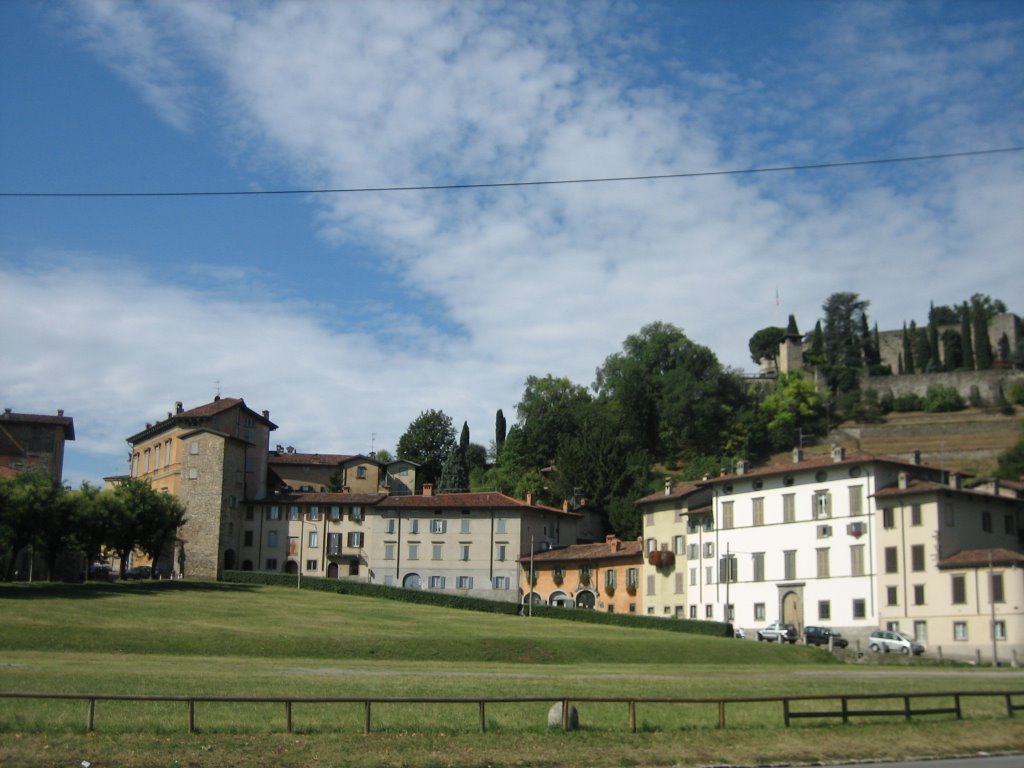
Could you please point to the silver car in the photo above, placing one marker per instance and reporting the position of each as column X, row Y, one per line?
column 884, row 640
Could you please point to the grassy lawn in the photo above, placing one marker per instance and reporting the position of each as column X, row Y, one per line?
column 178, row 638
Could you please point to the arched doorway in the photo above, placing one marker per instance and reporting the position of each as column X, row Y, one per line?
column 534, row 598
column 229, row 560
column 585, row 599
column 561, row 600
column 291, row 567
column 791, row 613
column 411, row 581
column 332, row 571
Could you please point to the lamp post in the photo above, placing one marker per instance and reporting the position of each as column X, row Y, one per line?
column 992, row 609
column 298, row 563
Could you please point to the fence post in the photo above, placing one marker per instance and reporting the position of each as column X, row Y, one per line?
column 191, row 715
column 977, row 656
column 366, row 721
column 906, row 707
column 1009, row 705
column 288, row 714
column 483, row 719
column 632, row 716
column 90, row 724
column 845, row 703
column 956, row 705
column 940, row 654
column 565, row 714
column 785, row 712
column 721, row 713
column 1013, row 659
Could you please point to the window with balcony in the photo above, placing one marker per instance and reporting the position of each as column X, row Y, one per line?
column 438, row 526
column 333, row 543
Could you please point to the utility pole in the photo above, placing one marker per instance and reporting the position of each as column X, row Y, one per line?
column 992, row 609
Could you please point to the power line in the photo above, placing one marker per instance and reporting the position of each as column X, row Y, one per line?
column 498, row 184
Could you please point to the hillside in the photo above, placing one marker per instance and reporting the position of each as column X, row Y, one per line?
column 969, row 440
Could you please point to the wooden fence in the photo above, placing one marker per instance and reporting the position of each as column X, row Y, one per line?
column 845, row 706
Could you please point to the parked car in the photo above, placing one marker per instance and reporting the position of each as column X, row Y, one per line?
column 100, row 572
column 773, row 633
column 884, row 640
column 139, row 572
column 820, row 636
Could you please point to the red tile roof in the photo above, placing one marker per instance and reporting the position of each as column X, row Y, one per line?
column 319, row 459
column 677, row 491
column 65, row 422
column 198, row 414
column 980, row 558
column 486, row 500
column 916, row 487
column 627, row 550
column 816, row 462
column 362, row 499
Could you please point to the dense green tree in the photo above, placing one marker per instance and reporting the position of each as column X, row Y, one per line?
column 815, row 352
column 952, row 350
column 908, row 351
column 985, row 305
column 967, row 347
column 764, row 344
column 1011, row 462
column 157, row 517
column 794, row 409
column 25, row 500
column 844, row 330
column 454, row 478
column 944, row 315
column 548, row 411
column 981, row 312
column 500, row 431
column 426, row 442
column 383, row 455
column 89, row 521
column 934, row 357
column 922, row 350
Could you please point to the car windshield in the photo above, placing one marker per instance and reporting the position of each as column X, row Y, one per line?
column 905, row 636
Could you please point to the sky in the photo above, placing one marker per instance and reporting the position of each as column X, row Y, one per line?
column 348, row 314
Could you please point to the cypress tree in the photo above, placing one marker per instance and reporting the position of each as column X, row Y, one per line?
column 499, row 433
column 934, row 360
column 982, row 343
column 967, row 348
column 908, row 351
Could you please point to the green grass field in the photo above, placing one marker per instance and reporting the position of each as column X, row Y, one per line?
column 179, row 638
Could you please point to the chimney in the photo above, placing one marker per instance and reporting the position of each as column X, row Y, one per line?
column 904, row 480
column 613, row 541
column 290, row 449
column 529, row 498
column 798, row 455
column 428, row 489
column 565, row 505
column 955, row 480
column 178, row 407
column 742, row 466
column 346, row 489
column 60, row 411
column 266, row 415
column 668, row 486
column 279, row 449
column 838, row 453
column 216, row 398
column 7, row 411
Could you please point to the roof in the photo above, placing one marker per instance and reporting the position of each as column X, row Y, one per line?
column 918, row 487
column 605, row 550
column 60, row 420
column 817, row 462
column 981, row 558
column 485, row 500
column 195, row 417
column 319, row 459
column 677, row 491
column 363, row 499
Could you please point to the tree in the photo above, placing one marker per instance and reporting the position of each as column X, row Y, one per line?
column 1011, row 462
column 908, row 351
column 981, row 307
column 454, row 478
column 952, row 349
column 24, row 501
column 547, row 412
column 795, row 407
column 159, row 516
column 500, row 431
column 922, row 352
column 934, row 360
column 815, row 353
column 967, row 347
column 426, row 442
column 764, row 344
column 844, row 332
column 383, row 455
column 89, row 521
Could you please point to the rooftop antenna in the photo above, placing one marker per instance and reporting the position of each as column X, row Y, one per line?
column 217, row 384
column 373, row 440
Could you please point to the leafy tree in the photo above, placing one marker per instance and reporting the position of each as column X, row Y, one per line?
column 764, row 345
column 547, row 412
column 941, row 398
column 158, row 518
column 795, row 407
column 25, row 498
column 967, row 350
column 982, row 303
column 383, row 455
column 1011, row 462
column 426, row 442
column 982, row 344
column 89, row 521
column 945, row 315
column 922, row 350
column 952, row 349
column 844, row 330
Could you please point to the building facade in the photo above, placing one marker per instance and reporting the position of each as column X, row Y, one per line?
column 603, row 576
column 34, row 442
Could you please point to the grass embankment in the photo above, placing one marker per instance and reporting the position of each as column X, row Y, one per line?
column 214, row 639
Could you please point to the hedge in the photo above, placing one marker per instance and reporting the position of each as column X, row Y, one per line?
column 443, row 600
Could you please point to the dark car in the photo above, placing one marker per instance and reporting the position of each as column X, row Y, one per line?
column 139, row 572
column 778, row 632
column 821, row 635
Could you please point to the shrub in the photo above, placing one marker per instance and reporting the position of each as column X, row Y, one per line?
column 1015, row 392
column 907, row 402
column 940, row 398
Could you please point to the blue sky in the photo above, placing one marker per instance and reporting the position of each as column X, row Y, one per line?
column 346, row 315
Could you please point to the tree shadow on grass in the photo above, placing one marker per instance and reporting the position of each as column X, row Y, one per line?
column 106, row 589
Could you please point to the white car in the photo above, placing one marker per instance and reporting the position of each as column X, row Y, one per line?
column 884, row 640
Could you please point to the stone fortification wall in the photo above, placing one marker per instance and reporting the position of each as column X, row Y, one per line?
column 202, row 491
column 989, row 383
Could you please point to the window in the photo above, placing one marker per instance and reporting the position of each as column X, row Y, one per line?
column 271, row 564
column 757, row 514
column 360, row 473
column 757, row 562
column 464, row 527
column 271, row 538
column 293, row 512
column 789, row 564
column 891, row 596
column 959, row 587
column 335, row 513
column 693, row 611
column 999, row 628
column 652, row 545
column 156, row 456
column 437, row 551
column 311, row 565
column 824, row 531
column 891, row 560
column 919, row 594
column 856, row 500
column 333, row 543
column 609, row 578
column 824, row 609
column 438, row 526
column 679, row 583
column 314, row 513
column 759, row 614
column 390, row 525
column 357, row 514
column 501, row 582
column 709, row 574
column 858, row 608
column 247, row 539
column 414, row 525
column 167, row 453
column 293, row 545
column 314, row 539
column 730, row 612
column 650, row 584
column 649, row 519
column 499, row 524
column 678, row 545
column 917, row 557
column 709, row 549
column 414, row 550
column 709, row 611
column 633, row 578
column 822, row 563
column 888, row 518
column 921, row 631
column 915, row 515
column 959, row 630
column 502, row 553
column 389, row 551
column 464, row 582
column 857, row 560
column 693, row 577
column 727, row 569
column 789, row 508
column 997, row 588
column 693, row 551
column 193, row 448
column 464, row 552
column 437, row 582
column 727, row 514
column 355, row 539
column 986, row 521
column 193, row 473
column 822, row 505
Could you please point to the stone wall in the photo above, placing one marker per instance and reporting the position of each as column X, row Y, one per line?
column 202, row 491
column 988, row 383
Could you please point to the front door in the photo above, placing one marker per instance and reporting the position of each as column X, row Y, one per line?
column 791, row 613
